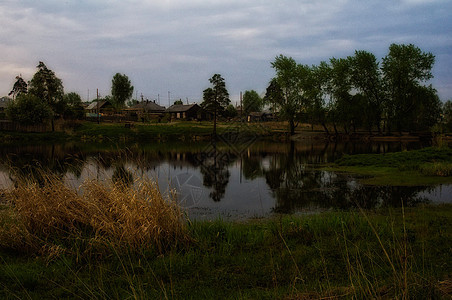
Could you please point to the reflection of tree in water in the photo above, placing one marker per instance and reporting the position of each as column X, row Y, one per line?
column 296, row 187
column 36, row 163
column 214, row 168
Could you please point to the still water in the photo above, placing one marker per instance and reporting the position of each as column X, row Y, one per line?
column 230, row 181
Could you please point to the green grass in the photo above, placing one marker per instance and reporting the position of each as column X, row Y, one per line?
column 389, row 253
column 417, row 167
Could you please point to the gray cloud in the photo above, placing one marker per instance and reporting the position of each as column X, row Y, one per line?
column 177, row 45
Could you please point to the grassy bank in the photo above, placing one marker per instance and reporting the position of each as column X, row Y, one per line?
column 116, row 132
column 57, row 244
column 417, row 167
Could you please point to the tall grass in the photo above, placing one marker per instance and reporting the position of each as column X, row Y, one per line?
column 53, row 218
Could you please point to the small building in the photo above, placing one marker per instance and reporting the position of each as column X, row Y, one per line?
column 102, row 107
column 261, row 116
column 145, row 110
column 187, row 112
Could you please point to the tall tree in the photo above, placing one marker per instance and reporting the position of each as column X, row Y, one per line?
column 251, row 101
column 289, row 76
column 19, row 87
column 28, row 109
column 367, row 80
column 404, row 68
column 49, row 88
column 121, row 90
column 216, row 98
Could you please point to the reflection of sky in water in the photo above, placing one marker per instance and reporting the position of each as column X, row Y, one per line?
column 256, row 184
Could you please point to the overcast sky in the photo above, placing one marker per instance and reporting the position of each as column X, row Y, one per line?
column 177, row 45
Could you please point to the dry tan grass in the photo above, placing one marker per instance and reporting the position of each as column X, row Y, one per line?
column 96, row 215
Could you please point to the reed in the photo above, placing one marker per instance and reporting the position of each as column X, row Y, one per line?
column 51, row 217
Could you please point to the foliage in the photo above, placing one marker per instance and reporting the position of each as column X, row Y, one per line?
column 28, row 109
column 178, row 102
column 19, row 87
column 289, row 77
column 47, row 87
column 404, row 68
column 121, row 90
column 447, row 114
column 216, row 98
column 252, row 102
column 72, row 106
column 231, row 111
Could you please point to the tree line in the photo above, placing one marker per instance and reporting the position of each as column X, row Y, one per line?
column 43, row 98
column 358, row 91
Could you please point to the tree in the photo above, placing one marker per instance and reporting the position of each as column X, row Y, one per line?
column 28, row 109
column 447, row 114
column 231, row 111
column 290, row 78
column 404, row 68
column 72, row 106
column 252, row 102
column 121, row 90
column 367, row 80
column 178, row 102
column 216, row 98
column 47, row 87
column 19, row 87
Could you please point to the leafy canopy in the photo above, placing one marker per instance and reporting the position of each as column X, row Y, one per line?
column 121, row 90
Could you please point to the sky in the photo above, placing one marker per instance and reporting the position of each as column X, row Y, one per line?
column 170, row 48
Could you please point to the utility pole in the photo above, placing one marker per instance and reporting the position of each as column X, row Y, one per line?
column 169, row 99
column 98, row 112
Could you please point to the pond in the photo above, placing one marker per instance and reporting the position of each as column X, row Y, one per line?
column 225, row 180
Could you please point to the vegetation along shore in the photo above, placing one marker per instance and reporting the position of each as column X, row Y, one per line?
column 112, row 241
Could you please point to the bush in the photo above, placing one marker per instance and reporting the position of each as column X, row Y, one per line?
column 28, row 109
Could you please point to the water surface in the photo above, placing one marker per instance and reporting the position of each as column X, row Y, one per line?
column 231, row 181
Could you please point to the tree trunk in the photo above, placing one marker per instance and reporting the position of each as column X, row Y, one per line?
column 326, row 128
column 292, row 126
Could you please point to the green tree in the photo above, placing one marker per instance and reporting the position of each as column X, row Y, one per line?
column 231, row 111
column 73, row 108
column 447, row 114
column 273, row 95
column 366, row 78
column 19, row 87
column 28, row 109
column 46, row 86
column 178, row 102
column 121, row 90
column 290, row 77
column 49, row 88
column 252, row 102
column 216, row 98
column 404, row 69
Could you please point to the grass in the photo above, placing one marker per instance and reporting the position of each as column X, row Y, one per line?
column 113, row 241
column 50, row 218
column 417, row 167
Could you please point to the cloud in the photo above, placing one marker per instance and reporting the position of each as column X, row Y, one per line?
column 178, row 44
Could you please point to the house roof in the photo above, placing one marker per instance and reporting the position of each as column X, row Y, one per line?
column 148, row 106
column 93, row 105
column 181, row 107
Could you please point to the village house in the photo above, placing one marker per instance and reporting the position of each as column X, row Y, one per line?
column 103, row 107
column 145, row 110
column 188, row 112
